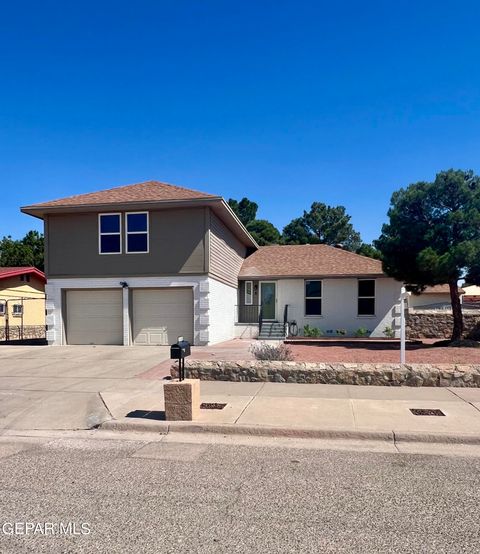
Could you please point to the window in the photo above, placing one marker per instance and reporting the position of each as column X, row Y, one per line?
column 313, row 298
column 248, row 293
column 2, row 309
column 17, row 310
column 110, row 234
column 25, row 278
column 137, row 232
column 366, row 297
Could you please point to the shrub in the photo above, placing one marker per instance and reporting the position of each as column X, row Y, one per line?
column 272, row 352
column 341, row 332
column 389, row 332
column 313, row 332
column 362, row 332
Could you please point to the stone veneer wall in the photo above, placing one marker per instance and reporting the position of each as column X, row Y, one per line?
column 386, row 374
column 436, row 324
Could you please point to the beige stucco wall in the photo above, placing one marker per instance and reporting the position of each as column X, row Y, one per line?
column 416, row 300
column 339, row 305
column 33, row 294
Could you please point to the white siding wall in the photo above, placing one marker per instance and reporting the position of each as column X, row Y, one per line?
column 222, row 311
column 339, row 305
column 213, row 304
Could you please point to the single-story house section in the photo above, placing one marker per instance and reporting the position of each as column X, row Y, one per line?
column 433, row 298
column 472, row 294
column 331, row 289
column 143, row 264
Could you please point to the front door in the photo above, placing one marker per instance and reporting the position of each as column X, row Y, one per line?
column 268, row 299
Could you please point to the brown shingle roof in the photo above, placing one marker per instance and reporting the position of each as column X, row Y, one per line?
column 149, row 191
column 311, row 260
column 440, row 289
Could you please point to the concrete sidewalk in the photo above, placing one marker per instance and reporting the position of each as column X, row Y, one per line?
column 342, row 411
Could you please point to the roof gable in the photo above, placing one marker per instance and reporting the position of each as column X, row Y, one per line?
column 310, row 260
column 6, row 272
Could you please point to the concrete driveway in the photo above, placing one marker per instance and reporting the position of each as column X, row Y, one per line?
column 45, row 387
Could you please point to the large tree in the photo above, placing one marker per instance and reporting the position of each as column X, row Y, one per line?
column 433, row 236
column 264, row 232
column 325, row 225
column 246, row 210
column 24, row 252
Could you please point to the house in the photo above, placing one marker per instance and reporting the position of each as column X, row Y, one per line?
column 433, row 298
column 472, row 295
column 22, row 303
column 329, row 288
column 143, row 264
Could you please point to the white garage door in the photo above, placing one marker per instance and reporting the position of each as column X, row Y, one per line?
column 160, row 316
column 94, row 317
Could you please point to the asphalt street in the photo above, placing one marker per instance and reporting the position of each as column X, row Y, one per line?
column 179, row 495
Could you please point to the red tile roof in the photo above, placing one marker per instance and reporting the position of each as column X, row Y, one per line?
column 149, row 191
column 310, row 260
column 6, row 272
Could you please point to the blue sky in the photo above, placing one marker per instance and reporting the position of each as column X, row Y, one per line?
column 284, row 102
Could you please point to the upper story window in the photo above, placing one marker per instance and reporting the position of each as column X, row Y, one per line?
column 248, row 293
column 109, row 234
column 25, row 278
column 366, row 297
column 313, row 298
column 137, row 232
column 17, row 310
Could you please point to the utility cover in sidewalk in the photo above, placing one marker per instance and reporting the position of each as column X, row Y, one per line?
column 212, row 406
column 417, row 411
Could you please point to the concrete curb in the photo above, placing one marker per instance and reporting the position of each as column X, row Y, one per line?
column 165, row 427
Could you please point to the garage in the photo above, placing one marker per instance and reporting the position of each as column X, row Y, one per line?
column 94, row 316
column 160, row 316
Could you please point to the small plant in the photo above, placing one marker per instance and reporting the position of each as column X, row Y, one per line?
column 272, row 352
column 313, row 332
column 341, row 332
column 389, row 332
column 362, row 332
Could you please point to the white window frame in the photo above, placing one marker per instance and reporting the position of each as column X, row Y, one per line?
column 312, row 298
column 374, row 297
column 3, row 308
column 127, row 232
column 100, row 234
column 247, row 303
column 16, row 313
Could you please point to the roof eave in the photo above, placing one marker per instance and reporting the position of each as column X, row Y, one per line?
column 314, row 276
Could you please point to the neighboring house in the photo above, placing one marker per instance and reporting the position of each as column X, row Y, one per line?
column 321, row 286
column 22, row 301
column 436, row 297
column 472, row 294
column 143, row 264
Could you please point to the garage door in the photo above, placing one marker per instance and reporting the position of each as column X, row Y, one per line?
column 94, row 317
column 160, row 316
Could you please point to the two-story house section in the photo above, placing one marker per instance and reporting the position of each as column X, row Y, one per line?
column 141, row 265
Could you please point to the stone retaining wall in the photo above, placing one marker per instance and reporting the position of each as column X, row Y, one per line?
column 412, row 375
column 435, row 324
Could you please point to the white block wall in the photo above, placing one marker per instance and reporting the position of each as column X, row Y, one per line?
column 223, row 299
column 339, row 305
column 213, row 304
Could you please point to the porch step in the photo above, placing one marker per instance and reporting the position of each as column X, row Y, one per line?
column 272, row 330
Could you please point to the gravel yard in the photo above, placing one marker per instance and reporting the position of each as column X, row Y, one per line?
column 368, row 353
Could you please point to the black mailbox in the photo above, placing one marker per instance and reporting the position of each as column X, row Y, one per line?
column 180, row 351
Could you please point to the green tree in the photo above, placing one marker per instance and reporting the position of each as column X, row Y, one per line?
column 297, row 232
column 369, row 250
column 263, row 232
column 25, row 252
column 246, row 210
column 325, row 225
column 433, row 236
